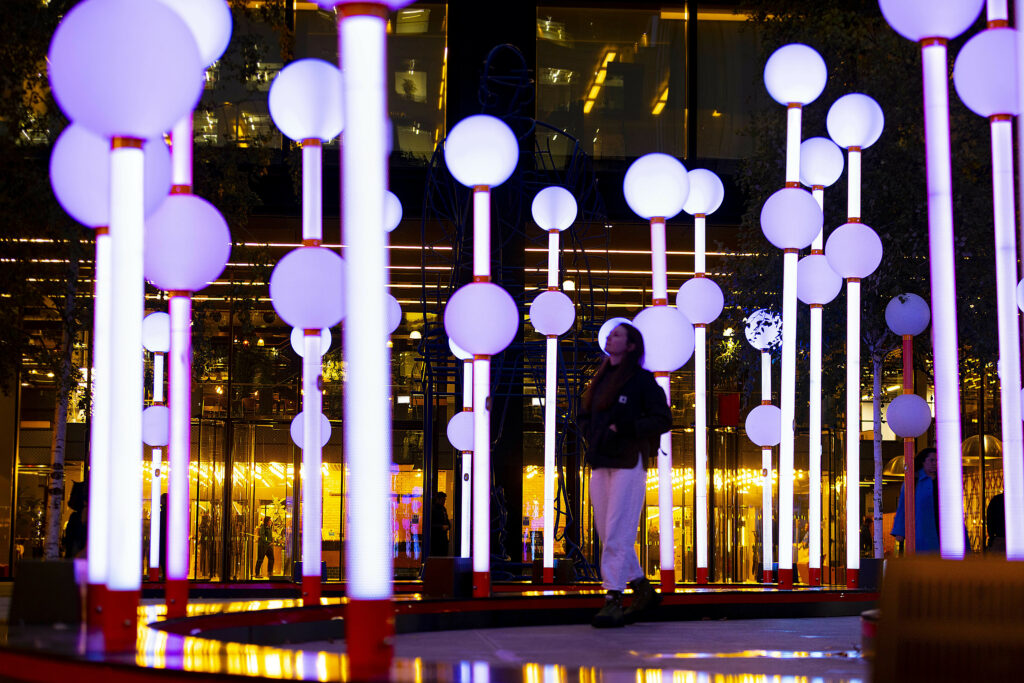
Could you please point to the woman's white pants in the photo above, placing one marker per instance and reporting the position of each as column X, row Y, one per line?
column 617, row 496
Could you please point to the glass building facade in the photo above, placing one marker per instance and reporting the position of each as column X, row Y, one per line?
column 601, row 83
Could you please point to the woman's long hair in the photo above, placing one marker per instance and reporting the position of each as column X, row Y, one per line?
column 609, row 378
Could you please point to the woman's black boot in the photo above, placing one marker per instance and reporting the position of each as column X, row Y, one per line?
column 611, row 615
column 645, row 600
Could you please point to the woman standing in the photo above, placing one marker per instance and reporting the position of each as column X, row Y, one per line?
column 624, row 413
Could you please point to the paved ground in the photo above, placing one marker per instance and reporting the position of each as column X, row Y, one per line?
column 828, row 648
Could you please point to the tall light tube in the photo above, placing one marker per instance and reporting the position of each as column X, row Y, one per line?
column 787, row 388
column 99, row 431
column 788, row 407
column 814, row 454
column 466, row 518
column 179, row 445
column 1009, row 339
column 179, row 375
column 312, row 192
column 125, row 473
column 766, row 477
column 481, row 477
column 666, row 536
column 312, row 497
column 941, row 265
column 852, row 431
column 550, row 420
column 550, row 390
column 156, row 457
column 700, row 395
column 700, row 470
column 361, row 50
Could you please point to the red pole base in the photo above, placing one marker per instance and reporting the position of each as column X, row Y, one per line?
column 814, row 576
column 120, row 620
column 176, row 597
column 95, row 594
column 369, row 638
column 549, row 574
column 786, row 578
column 481, row 584
column 668, row 581
column 851, row 578
column 766, row 577
column 154, row 574
column 702, row 576
column 310, row 590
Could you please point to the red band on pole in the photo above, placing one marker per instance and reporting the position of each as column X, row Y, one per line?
column 369, row 638
column 120, row 621
column 668, row 581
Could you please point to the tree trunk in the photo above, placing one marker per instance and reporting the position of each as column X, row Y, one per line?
column 876, row 403
column 55, row 489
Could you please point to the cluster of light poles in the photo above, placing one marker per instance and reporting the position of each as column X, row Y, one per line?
column 481, row 152
column 128, row 72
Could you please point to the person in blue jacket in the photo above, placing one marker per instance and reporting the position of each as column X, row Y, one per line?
column 926, row 505
column 623, row 414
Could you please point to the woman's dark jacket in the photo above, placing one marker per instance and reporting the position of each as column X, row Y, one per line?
column 640, row 414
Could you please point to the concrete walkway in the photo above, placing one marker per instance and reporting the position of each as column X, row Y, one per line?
column 826, row 648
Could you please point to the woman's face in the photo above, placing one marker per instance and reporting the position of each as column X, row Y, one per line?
column 931, row 465
column 617, row 343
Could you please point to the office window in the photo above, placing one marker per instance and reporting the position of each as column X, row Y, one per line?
column 613, row 79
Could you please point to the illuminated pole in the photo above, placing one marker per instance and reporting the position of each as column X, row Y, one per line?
column 821, row 166
column 99, row 431
column 855, row 122
column 145, row 83
column 986, row 87
column 666, row 532
column 481, row 152
column 552, row 314
column 550, row 400
column 656, row 187
column 80, row 177
column 794, row 75
column 767, row 541
column 305, row 102
column 312, row 480
column 701, row 300
column 362, row 59
column 908, row 415
column 154, row 481
column 125, row 473
column 466, row 518
column 925, row 24
column 209, row 24
column 909, row 475
column 460, row 435
column 763, row 424
column 790, row 220
column 180, row 401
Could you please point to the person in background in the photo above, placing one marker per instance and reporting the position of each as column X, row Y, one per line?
column 265, row 547
column 622, row 416
column 995, row 520
column 926, row 505
column 440, row 525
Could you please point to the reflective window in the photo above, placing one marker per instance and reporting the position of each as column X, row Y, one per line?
column 615, row 79
column 417, row 60
column 729, row 84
